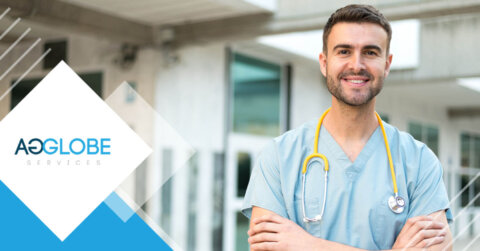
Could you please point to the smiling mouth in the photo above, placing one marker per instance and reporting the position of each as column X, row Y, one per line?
column 356, row 81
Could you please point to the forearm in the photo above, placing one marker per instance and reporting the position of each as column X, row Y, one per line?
column 429, row 242
column 269, row 231
column 326, row 245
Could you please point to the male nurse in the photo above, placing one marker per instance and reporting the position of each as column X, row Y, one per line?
column 356, row 216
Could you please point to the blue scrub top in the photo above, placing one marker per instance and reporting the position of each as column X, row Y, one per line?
column 356, row 212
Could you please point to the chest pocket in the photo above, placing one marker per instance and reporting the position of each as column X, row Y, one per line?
column 386, row 224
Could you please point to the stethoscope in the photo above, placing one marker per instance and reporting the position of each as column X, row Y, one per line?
column 395, row 202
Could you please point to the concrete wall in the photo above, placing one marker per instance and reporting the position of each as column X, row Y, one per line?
column 286, row 8
column 310, row 96
column 85, row 54
column 191, row 95
column 447, row 49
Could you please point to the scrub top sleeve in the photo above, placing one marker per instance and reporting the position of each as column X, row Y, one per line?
column 430, row 194
column 264, row 188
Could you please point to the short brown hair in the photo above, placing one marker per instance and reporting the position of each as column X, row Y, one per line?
column 356, row 13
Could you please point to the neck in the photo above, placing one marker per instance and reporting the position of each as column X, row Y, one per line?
column 351, row 123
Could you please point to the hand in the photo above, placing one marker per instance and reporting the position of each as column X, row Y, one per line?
column 273, row 232
column 420, row 232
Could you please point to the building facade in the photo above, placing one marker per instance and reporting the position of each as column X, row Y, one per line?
column 228, row 97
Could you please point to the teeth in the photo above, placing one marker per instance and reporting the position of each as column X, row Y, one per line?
column 356, row 81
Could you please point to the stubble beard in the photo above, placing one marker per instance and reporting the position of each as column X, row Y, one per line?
column 336, row 89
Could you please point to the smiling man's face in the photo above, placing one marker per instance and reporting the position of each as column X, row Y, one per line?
column 356, row 62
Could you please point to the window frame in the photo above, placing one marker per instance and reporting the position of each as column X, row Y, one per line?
column 284, row 101
column 424, row 127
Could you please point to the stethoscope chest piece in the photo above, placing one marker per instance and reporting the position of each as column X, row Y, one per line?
column 396, row 204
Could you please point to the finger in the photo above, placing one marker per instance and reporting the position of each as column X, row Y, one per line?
column 423, row 225
column 264, row 246
column 428, row 225
column 430, row 233
column 422, row 218
column 265, row 227
column 268, row 218
column 427, row 221
column 425, row 235
column 411, row 221
column 263, row 237
column 430, row 242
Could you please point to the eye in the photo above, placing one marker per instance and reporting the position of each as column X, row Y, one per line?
column 371, row 53
column 343, row 52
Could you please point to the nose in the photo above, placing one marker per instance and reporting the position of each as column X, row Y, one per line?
column 356, row 63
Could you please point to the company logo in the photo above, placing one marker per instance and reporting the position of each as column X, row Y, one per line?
column 56, row 150
column 76, row 146
column 74, row 155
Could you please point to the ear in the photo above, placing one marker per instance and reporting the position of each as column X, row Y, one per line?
column 387, row 65
column 322, row 59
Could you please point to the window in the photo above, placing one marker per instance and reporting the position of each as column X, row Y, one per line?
column 131, row 92
column 256, row 96
column 241, row 232
column 244, row 164
column 218, row 198
column 384, row 117
column 192, row 202
column 58, row 53
column 23, row 88
column 470, row 193
column 470, row 163
column 428, row 134
column 470, row 150
column 166, row 191
column 140, row 187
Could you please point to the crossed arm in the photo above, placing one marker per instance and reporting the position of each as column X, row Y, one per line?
column 269, row 231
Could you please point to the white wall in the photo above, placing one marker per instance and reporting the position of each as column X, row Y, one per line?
column 191, row 95
column 310, row 97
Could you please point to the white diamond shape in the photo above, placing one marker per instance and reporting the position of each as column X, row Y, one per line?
column 63, row 106
column 164, row 136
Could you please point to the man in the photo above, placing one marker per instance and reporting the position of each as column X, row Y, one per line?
column 355, row 60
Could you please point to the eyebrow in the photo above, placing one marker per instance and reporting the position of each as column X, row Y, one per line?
column 372, row 47
column 343, row 46
column 366, row 47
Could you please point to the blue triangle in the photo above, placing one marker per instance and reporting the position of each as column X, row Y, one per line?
column 21, row 230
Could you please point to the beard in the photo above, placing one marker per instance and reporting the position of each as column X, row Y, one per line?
column 335, row 87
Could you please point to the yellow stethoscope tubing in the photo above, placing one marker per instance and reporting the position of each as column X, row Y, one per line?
column 315, row 147
column 390, row 162
column 319, row 155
